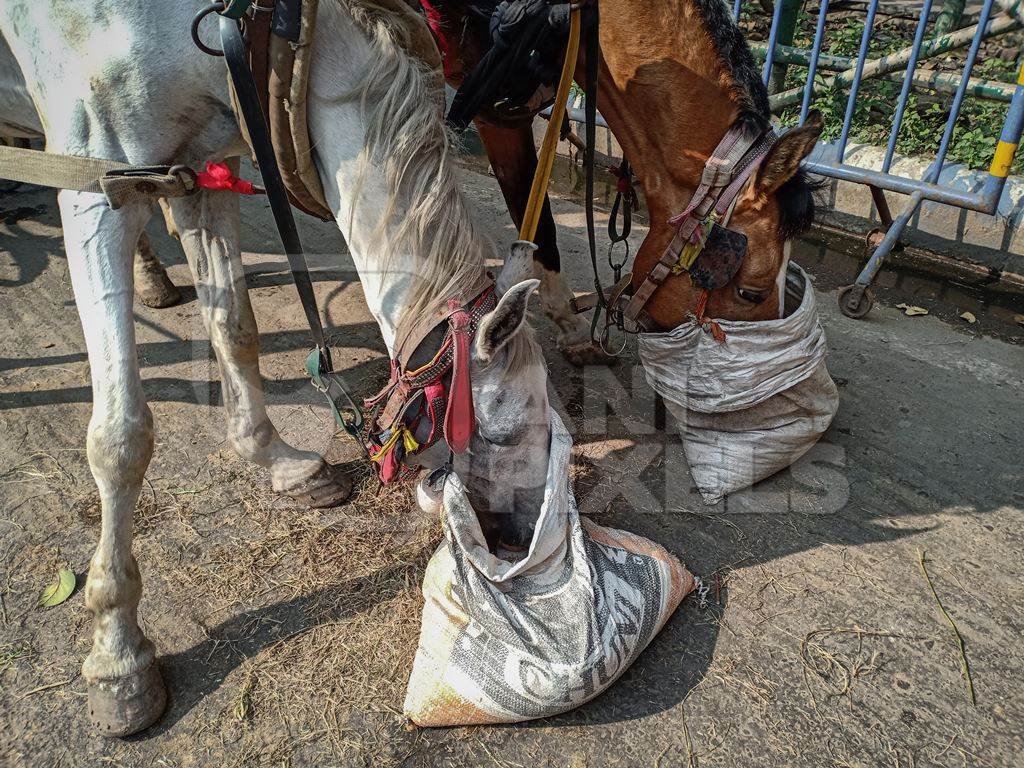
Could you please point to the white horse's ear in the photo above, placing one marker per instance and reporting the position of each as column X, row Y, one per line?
column 517, row 267
column 498, row 327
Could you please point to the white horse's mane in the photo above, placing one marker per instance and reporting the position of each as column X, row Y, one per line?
column 402, row 102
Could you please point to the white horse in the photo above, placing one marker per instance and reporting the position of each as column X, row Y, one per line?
column 122, row 80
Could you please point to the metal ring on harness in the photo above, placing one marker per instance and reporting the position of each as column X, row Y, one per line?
column 617, row 265
column 606, row 334
column 215, row 7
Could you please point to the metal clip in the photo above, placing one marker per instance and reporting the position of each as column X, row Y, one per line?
column 618, row 265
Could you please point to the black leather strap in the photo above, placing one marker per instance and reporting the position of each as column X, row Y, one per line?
column 233, row 46
column 592, row 52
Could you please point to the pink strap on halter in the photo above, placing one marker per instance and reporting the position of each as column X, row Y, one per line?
column 459, row 418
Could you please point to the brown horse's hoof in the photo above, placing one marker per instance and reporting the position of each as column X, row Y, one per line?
column 155, row 289
column 122, row 706
column 329, row 487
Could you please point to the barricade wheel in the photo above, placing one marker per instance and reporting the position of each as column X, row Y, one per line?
column 856, row 307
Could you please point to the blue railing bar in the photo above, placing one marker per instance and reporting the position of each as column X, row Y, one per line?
column 819, row 37
column 736, row 10
column 851, row 102
column 954, row 110
column 972, row 201
column 773, row 37
column 901, row 105
column 892, row 236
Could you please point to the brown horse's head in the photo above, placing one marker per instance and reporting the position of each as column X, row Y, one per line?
column 674, row 76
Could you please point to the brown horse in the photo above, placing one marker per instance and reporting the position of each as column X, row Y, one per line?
column 674, row 76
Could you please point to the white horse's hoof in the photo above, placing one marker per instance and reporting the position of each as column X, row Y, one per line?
column 155, row 289
column 122, row 706
column 582, row 353
column 328, row 487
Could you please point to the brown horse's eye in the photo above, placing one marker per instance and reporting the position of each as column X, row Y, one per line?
column 754, row 297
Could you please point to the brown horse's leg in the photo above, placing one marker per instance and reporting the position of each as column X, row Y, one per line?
column 513, row 158
column 152, row 285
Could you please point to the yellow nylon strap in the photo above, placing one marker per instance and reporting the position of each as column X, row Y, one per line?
column 546, row 158
column 403, row 434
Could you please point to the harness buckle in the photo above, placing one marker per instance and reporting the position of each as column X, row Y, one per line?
column 127, row 184
column 347, row 414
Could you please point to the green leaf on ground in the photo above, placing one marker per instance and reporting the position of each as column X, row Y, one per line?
column 59, row 591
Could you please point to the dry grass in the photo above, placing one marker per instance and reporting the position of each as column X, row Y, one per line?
column 328, row 651
column 311, row 616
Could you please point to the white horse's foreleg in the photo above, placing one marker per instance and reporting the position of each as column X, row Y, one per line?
column 126, row 693
column 208, row 227
column 152, row 285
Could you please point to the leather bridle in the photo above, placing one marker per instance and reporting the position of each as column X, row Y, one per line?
column 703, row 246
column 424, row 403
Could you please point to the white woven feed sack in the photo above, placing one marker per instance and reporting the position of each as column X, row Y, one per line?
column 505, row 640
column 750, row 406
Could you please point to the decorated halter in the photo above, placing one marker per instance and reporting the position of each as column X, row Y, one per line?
column 703, row 246
column 709, row 251
column 418, row 407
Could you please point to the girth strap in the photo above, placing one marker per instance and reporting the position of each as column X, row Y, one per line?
column 120, row 182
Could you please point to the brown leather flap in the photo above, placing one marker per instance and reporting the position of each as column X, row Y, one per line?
column 281, row 68
column 288, row 65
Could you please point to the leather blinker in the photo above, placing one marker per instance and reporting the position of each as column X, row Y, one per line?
column 720, row 259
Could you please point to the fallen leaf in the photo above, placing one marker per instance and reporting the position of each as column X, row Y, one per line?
column 969, row 317
column 912, row 311
column 1018, row 319
column 59, row 591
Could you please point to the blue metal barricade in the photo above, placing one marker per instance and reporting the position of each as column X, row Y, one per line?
column 856, row 300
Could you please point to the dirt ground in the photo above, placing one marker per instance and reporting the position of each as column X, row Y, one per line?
column 286, row 636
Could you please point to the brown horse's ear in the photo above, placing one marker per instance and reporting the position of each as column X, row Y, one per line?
column 785, row 157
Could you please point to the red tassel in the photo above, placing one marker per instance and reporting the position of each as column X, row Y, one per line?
column 706, row 322
column 389, row 468
column 218, row 176
column 459, row 419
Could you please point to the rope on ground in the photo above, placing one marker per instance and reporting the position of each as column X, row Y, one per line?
column 959, row 639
